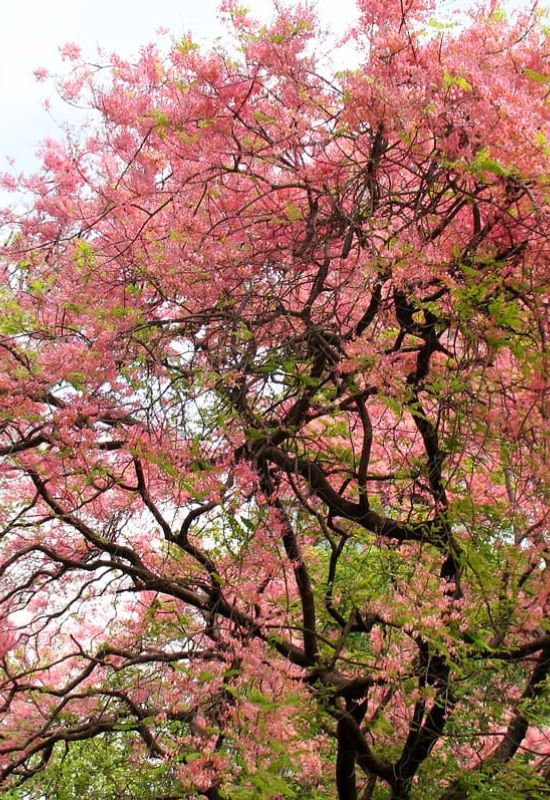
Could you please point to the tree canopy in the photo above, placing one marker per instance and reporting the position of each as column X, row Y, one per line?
column 273, row 420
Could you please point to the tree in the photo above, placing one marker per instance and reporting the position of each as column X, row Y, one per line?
column 273, row 399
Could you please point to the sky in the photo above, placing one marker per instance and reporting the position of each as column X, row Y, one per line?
column 31, row 31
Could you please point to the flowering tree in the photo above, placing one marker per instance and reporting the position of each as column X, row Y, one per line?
column 273, row 397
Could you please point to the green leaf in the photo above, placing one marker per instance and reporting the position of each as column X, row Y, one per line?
column 456, row 80
column 536, row 76
column 484, row 163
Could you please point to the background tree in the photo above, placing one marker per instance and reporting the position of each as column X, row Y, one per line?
column 274, row 392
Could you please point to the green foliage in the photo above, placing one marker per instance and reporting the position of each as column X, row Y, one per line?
column 99, row 769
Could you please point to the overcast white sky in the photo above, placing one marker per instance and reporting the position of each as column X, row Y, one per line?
column 32, row 30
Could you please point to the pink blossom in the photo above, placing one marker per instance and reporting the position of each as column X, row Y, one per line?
column 70, row 51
